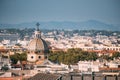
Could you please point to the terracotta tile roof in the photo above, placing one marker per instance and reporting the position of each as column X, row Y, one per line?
column 43, row 76
column 102, row 51
column 11, row 78
column 118, row 69
column 3, row 50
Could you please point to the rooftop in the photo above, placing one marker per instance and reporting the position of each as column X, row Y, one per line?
column 43, row 76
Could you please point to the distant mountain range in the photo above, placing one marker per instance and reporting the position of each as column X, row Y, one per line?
column 86, row 25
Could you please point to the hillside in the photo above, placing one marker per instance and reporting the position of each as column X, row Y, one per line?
column 86, row 25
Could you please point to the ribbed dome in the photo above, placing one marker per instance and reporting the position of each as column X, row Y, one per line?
column 38, row 44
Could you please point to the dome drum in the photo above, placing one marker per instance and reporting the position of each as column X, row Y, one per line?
column 35, row 57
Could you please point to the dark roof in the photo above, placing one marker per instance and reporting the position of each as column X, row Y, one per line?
column 43, row 76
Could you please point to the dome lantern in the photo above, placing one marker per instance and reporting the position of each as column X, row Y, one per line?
column 37, row 31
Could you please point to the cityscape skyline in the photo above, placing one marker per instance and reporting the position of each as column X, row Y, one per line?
column 35, row 54
column 79, row 10
column 59, row 40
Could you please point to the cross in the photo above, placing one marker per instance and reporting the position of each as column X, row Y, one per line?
column 37, row 24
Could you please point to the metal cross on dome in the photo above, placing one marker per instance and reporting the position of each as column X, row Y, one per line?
column 37, row 24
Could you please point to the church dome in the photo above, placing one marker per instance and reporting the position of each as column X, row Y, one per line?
column 38, row 44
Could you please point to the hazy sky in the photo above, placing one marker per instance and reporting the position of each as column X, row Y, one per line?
column 18, row 11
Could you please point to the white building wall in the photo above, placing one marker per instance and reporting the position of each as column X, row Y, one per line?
column 88, row 66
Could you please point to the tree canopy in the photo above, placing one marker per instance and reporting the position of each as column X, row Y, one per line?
column 72, row 56
column 21, row 57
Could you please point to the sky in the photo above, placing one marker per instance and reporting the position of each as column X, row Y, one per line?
column 20, row 11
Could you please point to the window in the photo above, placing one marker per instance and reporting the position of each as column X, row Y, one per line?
column 45, row 57
column 32, row 57
column 39, row 57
